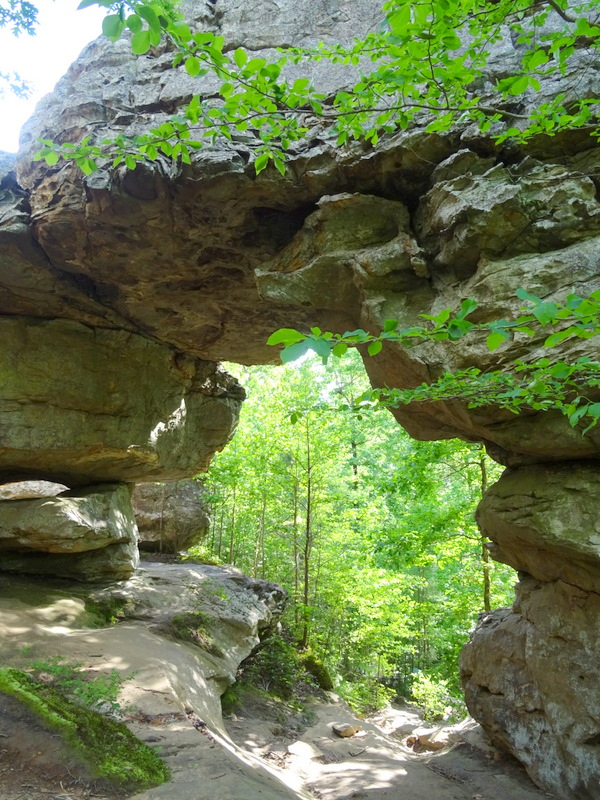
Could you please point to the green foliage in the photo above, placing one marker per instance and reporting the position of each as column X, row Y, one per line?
column 393, row 559
column 107, row 747
column 434, row 698
column 426, row 63
column 275, row 667
column 18, row 15
column 91, row 691
column 540, row 386
column 365, row 695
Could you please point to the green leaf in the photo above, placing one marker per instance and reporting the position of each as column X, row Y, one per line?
column 140, row 42
column 519, row 85
column 545, row 312
column 88, row 165
column 285, row 336
column 134, row 23
column 321, row 347
column 466, row 307
column 261, row 162
column 524, row 295
column 494, row 340
column 254, row 65
column 112, row 26
column 279, row 165
column 51, row 158
column 240, row 57
column 537, row 59
column 559, row 336
column 390, row 325
column 300, row 85
column 192, row 66
column 340, row 349
column 374, row 348
column 294, row 351
column 148, row 13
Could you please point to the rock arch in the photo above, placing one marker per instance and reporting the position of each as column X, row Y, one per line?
column 120, row 291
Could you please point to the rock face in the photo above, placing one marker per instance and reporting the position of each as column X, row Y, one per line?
column 530, row 673
column 171, row 516
column 137, row 274
column 544, row 520
column 81, row 405
column 530, row 676
column 90, row 534
column 164, row 678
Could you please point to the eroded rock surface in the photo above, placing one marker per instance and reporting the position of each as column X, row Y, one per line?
column 165, row 677
column 530, row 676
column 171, row 516
column 81, row 405
column 544, row 520
column 530, row 672
column 90, row 534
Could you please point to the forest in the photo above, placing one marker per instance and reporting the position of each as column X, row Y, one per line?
column 371, row 532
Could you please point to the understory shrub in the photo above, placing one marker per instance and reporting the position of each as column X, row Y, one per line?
column 433, row 697
column 274, row 667
column 365, row 696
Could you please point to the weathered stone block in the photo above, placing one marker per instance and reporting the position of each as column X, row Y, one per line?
column 530, row 677
column 90, row 534
column 171, row 515
column 544, row 520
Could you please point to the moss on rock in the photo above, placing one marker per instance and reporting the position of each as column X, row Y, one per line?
column 193, row 627
column 107, row 748
column 319, row 672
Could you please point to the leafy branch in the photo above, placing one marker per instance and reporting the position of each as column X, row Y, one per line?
column 540, row 386
column 427, row 58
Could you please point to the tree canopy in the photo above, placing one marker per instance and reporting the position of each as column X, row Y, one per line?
column 371, row 532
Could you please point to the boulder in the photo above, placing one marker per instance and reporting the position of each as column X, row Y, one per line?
column 171, row 516
column 89, row 534
column 29, row 490
column 530, row 676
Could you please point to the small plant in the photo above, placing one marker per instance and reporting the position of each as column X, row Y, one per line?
column 275, row 668
column 108, row 610
column 434, row 698
column 98, row 692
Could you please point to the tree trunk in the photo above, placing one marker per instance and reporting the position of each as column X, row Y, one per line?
column 308, row 534
column 485, row 555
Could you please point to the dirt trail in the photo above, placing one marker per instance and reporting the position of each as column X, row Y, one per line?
column 378, row 763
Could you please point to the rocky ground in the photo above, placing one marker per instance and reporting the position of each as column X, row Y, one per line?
column 265, row 750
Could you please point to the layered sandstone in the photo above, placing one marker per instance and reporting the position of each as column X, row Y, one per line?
column 166, row 264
